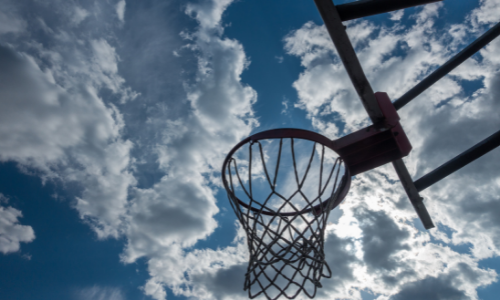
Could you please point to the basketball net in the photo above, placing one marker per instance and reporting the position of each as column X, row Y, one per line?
column 285, row 230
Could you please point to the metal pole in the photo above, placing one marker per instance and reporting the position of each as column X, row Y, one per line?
column 448, row 66
column 412, row 193
column 459, row 161
column 365, row 8
column 351, row 63
column 348, row 56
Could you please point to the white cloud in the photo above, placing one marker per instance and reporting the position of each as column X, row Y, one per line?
column 397, row 15
column 486, row 13
column 208, row 14
column 61, row 126
column 201, row 273
column 284, row 103
column 179, row 210
column 80, row 14
column 100, row 293
column 11, row 232
column 54, row 121
column 67, row 133
column 120, row 10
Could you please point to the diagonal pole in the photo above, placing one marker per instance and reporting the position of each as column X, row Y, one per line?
column 365, row 8
column 348, row 56
column 454, row 62
column 459, row 161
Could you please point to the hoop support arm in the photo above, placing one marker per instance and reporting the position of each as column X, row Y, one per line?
column 412, row 193
column 459, row 161
column 451, row 64
column 365, row 8
column 348, row 56
column 337, row 32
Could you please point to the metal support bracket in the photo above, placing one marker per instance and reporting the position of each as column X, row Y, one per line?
column 350, row 60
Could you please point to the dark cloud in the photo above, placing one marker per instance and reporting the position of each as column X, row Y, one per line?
column 339, row 254
column 430, row 288
column 224, row 283
column 382, row 238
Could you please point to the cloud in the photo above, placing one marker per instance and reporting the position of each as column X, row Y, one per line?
column 200, row 273
column 11, row 232
column 213, row 112
column 55, row 123
column 486, row 13
column 120, row 10
column 430, row 288
column 80, row 14
column 446, row 286
column 71, row 118
column 397, row 15
column 382, row 238
column 224, row 283
column 100, row 293
column 208, row 14
column 10, row 22
column 342, row 260
column 3, row 198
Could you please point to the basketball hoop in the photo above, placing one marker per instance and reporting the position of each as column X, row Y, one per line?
column 285, row 232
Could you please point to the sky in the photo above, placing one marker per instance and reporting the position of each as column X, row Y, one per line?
column 116, row 115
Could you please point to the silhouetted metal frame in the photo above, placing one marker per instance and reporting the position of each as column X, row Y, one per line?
column 479, row 149
column 350, row 60
column 446, row 68
column 365, row 8
column 459, row 161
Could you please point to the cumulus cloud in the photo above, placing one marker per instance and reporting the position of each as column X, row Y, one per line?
column 486, row 13
column 179, row 209
column 55, row 123
column 11, row 232
column 201, row 273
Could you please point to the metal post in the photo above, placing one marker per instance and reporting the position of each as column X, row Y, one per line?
column 365, row 8
column 348, row 56
column 412, row 193
column 448, row 66
column 459, row 161
column 351, row 63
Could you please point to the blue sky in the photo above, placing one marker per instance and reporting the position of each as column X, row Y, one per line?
column 115, row 117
